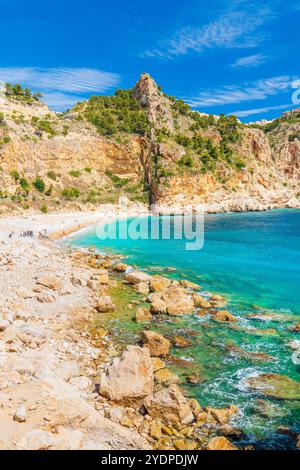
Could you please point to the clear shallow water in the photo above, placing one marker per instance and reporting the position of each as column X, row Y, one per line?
column 252, row 258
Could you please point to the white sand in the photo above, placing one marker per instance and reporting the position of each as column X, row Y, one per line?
column 63, row 223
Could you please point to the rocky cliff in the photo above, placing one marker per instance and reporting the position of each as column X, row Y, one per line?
column 146, row 145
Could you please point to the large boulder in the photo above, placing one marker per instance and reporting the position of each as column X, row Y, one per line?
column 169, row 406
column 130, row 376
column 157, row 344
column 222, row 415
column 105, row 304
column 166, row 377
column 143, row 315
column 223, row 316
column 220, row 443
column 135, row 277
column 178, row 302
column 201, row 302
column 159, row 283
column 120, row 267
column 158, row 306
column 142, row 288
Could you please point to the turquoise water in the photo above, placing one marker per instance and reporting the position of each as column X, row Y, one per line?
column 254, row 259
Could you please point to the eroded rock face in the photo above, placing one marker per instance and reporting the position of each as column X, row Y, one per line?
column 157, row 344
column 130, row 376
column 158, row 107
column 170, row 406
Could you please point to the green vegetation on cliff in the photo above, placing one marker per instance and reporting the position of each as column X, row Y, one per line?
column 287, row 118
column 114, row 114
column 18, row 93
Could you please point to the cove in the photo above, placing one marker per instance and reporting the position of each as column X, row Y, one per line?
column 254, row 259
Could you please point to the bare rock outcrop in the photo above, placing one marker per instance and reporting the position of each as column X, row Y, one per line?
column 170, row 406
column 130, row 376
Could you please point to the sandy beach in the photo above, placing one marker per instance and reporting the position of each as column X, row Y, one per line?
column 61, row 224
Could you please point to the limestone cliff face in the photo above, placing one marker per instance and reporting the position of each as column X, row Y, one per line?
column 159, row 108
column 35, row 141
column 270, row 179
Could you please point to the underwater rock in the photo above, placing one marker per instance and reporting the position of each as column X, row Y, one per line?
column 269, row 410
column 223, row 316
column 181, row 342
column 249, row 355
column 275, row 385
column 296, row 328
column 190, row 285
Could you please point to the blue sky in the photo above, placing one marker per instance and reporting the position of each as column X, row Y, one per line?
column 234, row 57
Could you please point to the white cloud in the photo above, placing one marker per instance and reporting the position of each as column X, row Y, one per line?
column 251, row 60
column 60, row 85
column 267, row 109
column 234, row 29
column 232, row 94
column 60, row 101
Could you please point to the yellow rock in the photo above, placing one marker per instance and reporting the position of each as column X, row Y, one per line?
column 190, row 285
column 143, row 315
column 201, row 302
column 157, row 364
column 155, row 430
column 222, row 416
column 220, row 443
column 166, row 377
column 159, row 283
column 181, row 444
column 223, row 316
column 195, row 407
column 168, row 431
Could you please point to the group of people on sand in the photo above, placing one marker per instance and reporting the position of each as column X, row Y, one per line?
column 29, row 233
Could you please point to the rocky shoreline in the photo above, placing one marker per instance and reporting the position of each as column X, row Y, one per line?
column 66, row 383
column 62, row 386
